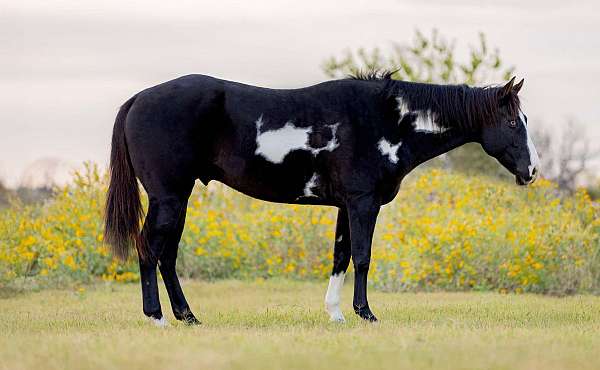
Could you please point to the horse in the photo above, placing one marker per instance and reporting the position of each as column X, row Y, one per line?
column 345, row 143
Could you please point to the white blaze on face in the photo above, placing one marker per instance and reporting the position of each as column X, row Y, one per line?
column 274, row 145
column 387, row 149
column 333, row 297
column 534, row 159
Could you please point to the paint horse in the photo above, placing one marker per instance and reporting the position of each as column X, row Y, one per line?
column 345, row 143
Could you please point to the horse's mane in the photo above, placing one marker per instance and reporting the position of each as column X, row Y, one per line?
column 454, row 106
column 371, row 75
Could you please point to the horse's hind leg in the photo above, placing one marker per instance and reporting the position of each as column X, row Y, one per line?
column 161, row 223
column 167, row 263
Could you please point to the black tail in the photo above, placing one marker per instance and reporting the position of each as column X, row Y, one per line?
column 123, row 212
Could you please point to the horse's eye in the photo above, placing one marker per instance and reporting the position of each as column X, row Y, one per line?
column 512, row 123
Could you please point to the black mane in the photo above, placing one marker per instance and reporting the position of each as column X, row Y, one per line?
column 458, row 106
column 454, row 106
column 372, row 75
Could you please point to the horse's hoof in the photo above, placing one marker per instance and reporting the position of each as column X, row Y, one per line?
column 188, row 318
column 159, row 323
column 335, row 314
column 337, row 317
column 191, row 320
column 369, row 318
column 365, row 314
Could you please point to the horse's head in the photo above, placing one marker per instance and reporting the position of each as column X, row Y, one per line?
column 508, row 139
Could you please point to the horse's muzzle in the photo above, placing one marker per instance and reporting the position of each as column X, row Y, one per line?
column 523, row 181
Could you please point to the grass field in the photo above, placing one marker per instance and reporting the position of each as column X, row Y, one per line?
column 282, row 325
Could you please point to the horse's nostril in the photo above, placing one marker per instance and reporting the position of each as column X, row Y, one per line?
column 534, row 172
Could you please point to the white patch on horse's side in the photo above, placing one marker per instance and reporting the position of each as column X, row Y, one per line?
column 534, row 159
column 161, row 323
column 333, row 297
column 259, row 123
column 331, row 144
column 402, row 108
column 339, row 240
column 425, row 122
column 274, row 145
column 309, row 185
column 387, row 149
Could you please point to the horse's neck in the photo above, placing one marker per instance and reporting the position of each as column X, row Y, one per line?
column 421, row 144
column 423, row 147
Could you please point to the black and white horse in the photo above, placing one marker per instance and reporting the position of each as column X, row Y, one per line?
column 345, row 143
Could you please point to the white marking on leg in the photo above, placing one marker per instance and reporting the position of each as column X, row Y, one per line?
column 425, row 122
column 387, row 149
column 333, row 297
column 161, row 323
column 311, row 184
column 339, row 240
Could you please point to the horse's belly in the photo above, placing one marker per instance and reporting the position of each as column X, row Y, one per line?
column 296, row 180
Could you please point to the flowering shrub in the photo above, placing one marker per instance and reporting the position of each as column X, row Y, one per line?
column 454, row 232
column 60, row 241
column 443, row 231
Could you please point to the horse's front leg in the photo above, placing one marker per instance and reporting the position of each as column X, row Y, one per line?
column 362, row 216
column 341, row 260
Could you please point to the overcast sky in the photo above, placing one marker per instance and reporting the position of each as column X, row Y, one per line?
column 66, row 66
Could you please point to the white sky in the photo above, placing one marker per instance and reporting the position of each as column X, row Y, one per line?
column 66, row 66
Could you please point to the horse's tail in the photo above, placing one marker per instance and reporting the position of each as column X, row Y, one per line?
column 123, row 212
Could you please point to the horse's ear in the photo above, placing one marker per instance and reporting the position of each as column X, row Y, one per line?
column 506, row 89
column 518, row 86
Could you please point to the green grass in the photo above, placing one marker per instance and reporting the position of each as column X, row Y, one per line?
column 282, row 325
